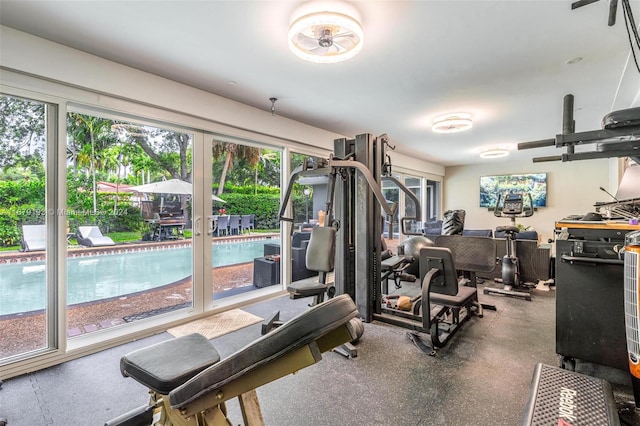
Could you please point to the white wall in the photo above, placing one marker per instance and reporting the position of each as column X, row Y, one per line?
column 29, row 54
column 573, row 188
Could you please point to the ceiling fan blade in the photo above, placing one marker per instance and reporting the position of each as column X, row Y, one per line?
column 306, row 42
column 347, row 34
column 320, row 50
column 344, row 44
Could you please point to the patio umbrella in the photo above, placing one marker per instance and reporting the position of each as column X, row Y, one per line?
column 171, row 186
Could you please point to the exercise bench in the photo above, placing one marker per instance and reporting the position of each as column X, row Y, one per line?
column 189, row 384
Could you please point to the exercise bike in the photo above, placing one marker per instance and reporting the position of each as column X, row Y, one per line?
column 513, row 206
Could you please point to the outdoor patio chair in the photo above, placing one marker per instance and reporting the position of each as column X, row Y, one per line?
column 34, row 237
column 90, row 236
column 234, row 224
column 246, row 223
column 222, row 226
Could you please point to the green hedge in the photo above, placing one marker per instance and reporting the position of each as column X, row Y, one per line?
column 265, row 207
column 22, row 203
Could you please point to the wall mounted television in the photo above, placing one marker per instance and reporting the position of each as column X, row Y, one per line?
column 533, row 183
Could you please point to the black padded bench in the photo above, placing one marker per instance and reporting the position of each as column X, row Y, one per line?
column 187, row 378
column 563, row 397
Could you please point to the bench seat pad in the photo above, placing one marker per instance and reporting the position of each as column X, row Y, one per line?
column 166, row 365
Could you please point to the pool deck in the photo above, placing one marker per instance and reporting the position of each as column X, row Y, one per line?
column 130, row 247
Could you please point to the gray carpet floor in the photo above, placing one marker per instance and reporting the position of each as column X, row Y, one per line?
column 482, row 377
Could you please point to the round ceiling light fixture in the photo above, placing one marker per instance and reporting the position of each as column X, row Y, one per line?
column 494, row 153
column 326, row 36
column 452, row 123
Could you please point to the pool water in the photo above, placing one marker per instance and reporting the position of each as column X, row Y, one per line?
column 22, row 286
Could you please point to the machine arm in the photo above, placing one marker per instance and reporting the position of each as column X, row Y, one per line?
column 329, row 169
column 416, row 204
column 302, row 170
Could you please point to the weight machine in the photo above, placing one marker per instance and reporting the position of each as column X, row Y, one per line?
column 354, row 208
column 353, row 211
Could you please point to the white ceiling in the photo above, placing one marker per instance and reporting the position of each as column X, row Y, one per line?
column 505, row 62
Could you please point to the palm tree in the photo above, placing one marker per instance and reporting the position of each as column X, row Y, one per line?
column 95, row 129
column 266, row 156
column 231, row 151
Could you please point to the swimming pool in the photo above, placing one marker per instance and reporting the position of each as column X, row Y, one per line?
column 22, row 285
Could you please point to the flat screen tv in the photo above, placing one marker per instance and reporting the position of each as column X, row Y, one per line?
column 533, row 183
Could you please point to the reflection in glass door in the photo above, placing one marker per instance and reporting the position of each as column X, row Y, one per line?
column 129, row 197
column 391, row 193
column 27, row 298
column 243, row 224
column 413, row 183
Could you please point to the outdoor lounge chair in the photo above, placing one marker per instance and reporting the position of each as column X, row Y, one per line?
column 91, row 236
column 34, row 237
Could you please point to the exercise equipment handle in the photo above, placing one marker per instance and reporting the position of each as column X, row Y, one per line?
column 537, row 144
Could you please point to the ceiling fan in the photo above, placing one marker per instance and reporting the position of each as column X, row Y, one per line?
column 326, row 37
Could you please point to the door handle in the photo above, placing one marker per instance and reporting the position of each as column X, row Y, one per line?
column 196, row 226
column 213, row 224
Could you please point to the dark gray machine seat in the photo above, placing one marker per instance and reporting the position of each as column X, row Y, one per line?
column 164, row 366
column 307, row 287
column 294, row 334
column 462, row 298
column 320, row 257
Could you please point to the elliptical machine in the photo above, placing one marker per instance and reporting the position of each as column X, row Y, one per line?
column 513, row 206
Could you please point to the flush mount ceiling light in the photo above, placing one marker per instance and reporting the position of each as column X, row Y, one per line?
column 494, row 153
column 452, row 123
column 326, row 36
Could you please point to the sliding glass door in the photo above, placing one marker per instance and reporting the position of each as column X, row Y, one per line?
column 27, row 224
column 129, row 227
column 243, row 224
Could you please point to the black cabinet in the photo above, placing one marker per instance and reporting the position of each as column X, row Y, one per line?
column 590, row 303
column 266, row 271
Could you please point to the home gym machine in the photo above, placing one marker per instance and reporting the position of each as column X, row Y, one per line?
column 354, row 209
column 513, row 206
